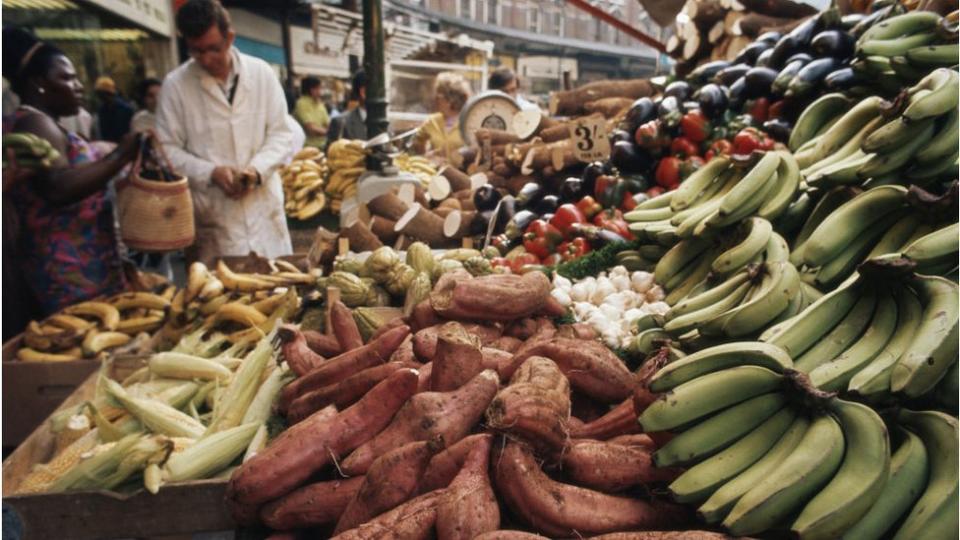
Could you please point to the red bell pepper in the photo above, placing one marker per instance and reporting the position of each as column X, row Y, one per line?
column 518, row 262
column 655, row 191
column 651, row 136
column 719, row 147
column 750, row 139
column 612, row 220
column 683, row 147
column 574, row 249
column 541, row 238
column 760, row 110
column 552, row 260
column 565, row 216
column 689, row 166
column 588, row 205
column 668, row 172
column 629, row 202
column 500, row 262
column 777, row 109
column 695, row 126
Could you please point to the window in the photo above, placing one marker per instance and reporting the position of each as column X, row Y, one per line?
column 493, row 11
column 533, row 18
column 467, row 9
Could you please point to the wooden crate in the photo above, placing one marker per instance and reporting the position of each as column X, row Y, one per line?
column 183, row 508
column 33, row 390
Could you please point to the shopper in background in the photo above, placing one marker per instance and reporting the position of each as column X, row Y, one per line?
column 312, row 113
column 66, row 247
column 146, row 118
column 222, row 119
column 352, row 124
column 440, row 133
column 114, row 113
column 506, row 81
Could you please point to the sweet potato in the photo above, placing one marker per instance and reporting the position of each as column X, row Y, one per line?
column 392, row 480
column 295, row 351
column 534, row 406
column 553, row 308
column 344, row 327
column 637, row 439
column 344, row 393
column 393, row 323
column 425, row 340
column 426, row 373
column 531, row 328
column 424, row 316
column 311, row 505
column 307, row 447
column 497, row 297
column 578, row 331
column 561, row 510
column 445, row 465
column 494, row 358
column 621, row 420
column 427, row 414
column 611, row 467
column 642, row 396
column 340, row 367
column 507, row 343
column 404, row 352
column 469, row 507
column 322, row 344
column 412, row 520
column 663, row 535
column 590, row 366
column 458, row 358
column 509, row 535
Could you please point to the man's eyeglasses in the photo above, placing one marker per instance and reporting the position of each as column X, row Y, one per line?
column 196, row 52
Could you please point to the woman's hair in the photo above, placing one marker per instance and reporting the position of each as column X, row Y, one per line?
column 145, row 87
column 308, row 84
column 26, row 57
column 454, row 88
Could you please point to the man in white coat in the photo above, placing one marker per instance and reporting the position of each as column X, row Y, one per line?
column 222, row 122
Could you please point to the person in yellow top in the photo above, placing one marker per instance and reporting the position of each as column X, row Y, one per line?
column 441, row 131
column 311, row 113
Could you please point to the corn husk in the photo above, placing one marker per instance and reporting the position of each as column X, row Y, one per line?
column 209, row 454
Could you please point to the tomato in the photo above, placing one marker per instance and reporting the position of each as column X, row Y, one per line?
column 684, row 147
column 518, row 262
column 651, row 136
column 667, row 174
column 719, row 147
column 695, row 126
column 750, row 139
column 760, row 110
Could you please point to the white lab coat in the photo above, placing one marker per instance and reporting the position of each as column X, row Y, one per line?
column 200, row 130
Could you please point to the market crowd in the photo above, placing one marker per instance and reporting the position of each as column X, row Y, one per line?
column 221, row 119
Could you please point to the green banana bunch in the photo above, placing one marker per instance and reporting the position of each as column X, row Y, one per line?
column 29, row 150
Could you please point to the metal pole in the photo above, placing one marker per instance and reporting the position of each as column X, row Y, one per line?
column 287, row 48
column 373, row 65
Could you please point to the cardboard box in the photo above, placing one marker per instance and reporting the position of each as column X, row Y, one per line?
column 183, row 508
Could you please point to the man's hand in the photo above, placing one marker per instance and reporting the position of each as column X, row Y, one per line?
column 226, row 179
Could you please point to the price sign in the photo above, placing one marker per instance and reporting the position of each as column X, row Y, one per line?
column 590, row 141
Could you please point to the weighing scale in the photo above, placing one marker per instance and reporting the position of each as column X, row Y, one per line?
column 492, row 109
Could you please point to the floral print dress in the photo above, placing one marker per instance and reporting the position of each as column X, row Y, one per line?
column 69, row 253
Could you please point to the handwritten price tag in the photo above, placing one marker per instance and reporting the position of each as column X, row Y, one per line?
column 590, row 141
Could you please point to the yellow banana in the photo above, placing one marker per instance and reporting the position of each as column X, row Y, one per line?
column 239, row 282
column 134, row 326
column 37, row 337
column 95, row 342
column 133, row 300
column 211, row 306
column 26, row 354
column 197, row 276
column 109, row 316
column 211, row 289
column 238, row 313
column 70, row 322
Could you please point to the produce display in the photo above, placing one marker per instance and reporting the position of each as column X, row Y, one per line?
column 744, row 321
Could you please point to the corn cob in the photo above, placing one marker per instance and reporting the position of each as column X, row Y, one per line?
column 258, row 442
column 260, row 408
column 152, row 449
column 185, row 366
column 210, row 454
column 232, row 406
column 157, row 415
column 42, row 476
column 93, row 470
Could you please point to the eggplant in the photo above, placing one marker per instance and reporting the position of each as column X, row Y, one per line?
column 758, row 82
column 784, row 49
column 871, row 19
column 800, row 56
column 547, row 204
column 626, row 157
column 811, row 75
column 679, row 89
column 804, row 32
column 713, row 100
column 668, row 106
column 764, row 59
column 481, row 220
column 833, row 43
column 636, row 183
column 778, row 129
column 508, row 208
column 782, row 82
column 590, row 174
column 848, row 21
column 618, row 135
column 529, row 194
column 750, row 53
column 732, row 73
column 572, row 190
column 597, row 236
column 736, row 94
column 642, row 111
column 486, row 197
column 547, row 217
column 519, row 223
column 771, row 37
column 842, row 79
column 705, row 72
column 608, row 168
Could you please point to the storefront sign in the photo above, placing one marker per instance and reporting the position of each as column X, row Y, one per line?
column 590, row 141
column 326, row 56
column 546, row 67
column 153, row 15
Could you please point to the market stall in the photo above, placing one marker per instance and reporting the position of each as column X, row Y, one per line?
column 722, row 303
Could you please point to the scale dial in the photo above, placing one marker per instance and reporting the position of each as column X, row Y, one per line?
column 492, row 109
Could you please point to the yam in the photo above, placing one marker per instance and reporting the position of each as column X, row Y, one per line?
column 535, row 406
column 612, row 467
column 312, row 505
column 570, row 102
column 345, row 327
column 458, row 358
column 388, row 206
column 497, row 297
column 295, row 351
column 412, row 520
column 383, row 228
column 445, row 465
column 361, row 237
column 610, row 107
column 344, row 393
column 469, row 507
column 420, row 223
column 322, row 344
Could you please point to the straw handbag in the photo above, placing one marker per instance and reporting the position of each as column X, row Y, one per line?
column 154, row 205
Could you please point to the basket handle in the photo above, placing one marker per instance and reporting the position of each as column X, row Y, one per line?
column 150, row 142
